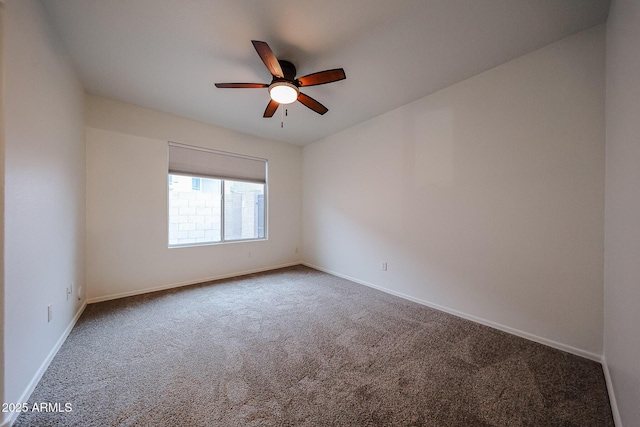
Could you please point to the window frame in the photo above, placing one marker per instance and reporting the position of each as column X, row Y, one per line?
column 222, row 240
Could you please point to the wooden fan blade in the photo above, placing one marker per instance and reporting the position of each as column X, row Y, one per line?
column 271, row 109
column 241, row 85
column 269, row 59
column 308, row 101
column 322, row 77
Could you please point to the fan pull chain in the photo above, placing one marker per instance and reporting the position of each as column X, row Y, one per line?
column 285, row 112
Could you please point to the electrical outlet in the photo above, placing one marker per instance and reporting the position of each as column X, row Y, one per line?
column 69, row 291
column 79, row 293
column 383, row 266
column 49, row 313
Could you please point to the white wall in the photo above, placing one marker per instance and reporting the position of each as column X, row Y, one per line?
column 127, row 236
column 486, row 198
column 2, row 151
column 44, row 194
column 622, row 209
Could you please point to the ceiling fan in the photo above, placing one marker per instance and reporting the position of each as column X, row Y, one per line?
column 284, row 87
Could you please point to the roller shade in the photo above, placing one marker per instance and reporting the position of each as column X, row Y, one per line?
column 197, row 161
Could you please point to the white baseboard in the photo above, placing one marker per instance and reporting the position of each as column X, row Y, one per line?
column 531, row 337
column 612, row 397
column 43, row 367
column 187, row 283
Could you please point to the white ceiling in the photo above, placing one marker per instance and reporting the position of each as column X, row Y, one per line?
column 167, row 54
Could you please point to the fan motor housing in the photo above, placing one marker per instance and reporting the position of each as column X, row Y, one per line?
column 288, row 70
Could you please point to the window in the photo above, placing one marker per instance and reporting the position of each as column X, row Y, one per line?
column 243, row 210
column 195, row 184
column 214, row 197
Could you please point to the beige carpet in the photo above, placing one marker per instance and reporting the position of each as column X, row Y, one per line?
column 297, row 347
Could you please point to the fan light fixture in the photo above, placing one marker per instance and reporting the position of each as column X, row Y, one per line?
column 283, row 92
